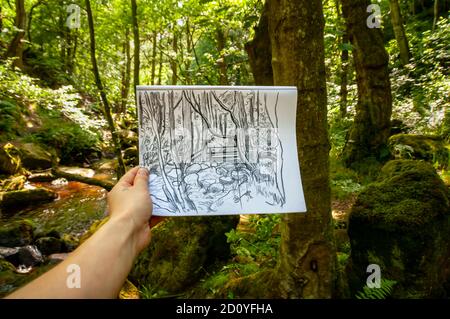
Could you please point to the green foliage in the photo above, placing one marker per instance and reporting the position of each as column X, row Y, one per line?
column 9, row 118
column 385, row 290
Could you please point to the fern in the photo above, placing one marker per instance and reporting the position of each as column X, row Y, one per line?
column 387, row 286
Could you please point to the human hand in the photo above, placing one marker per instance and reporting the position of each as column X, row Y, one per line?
column 129, row 201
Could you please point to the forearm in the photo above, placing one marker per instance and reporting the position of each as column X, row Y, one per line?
column 104, row 261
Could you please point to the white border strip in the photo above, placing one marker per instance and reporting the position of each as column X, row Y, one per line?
column 211, row 87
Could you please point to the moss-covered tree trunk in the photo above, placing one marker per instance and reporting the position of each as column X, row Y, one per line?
column 370, row 130
column 259, row 51
column 399, row 30
column 137, row 44
column 15, row 48
column 307, row 259
column 106, row 105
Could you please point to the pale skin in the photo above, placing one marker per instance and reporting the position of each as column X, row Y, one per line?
column 106, row 258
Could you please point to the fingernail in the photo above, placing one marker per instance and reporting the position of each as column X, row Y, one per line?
column 143, row 171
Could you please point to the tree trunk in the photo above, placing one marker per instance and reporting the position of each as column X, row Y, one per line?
column 343, row 93
column 106, row 105
column 154, row 40
column 173, row 61
column 307, row 258
column 221, row 40
column 436, row 13
column 126, row 69
column 15, row 48
column 259, row 52
column 370, row 130
column 399, row 30
column 137, row 44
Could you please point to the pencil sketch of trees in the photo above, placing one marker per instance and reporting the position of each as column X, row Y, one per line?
column 209, row 148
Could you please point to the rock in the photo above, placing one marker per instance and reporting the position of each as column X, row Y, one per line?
column 215, row 188
column 50, row 245
column 193, row 169
column 226, row 180
column 128, row 138
column 130, row 152
column 402, row 223
column 5, row 252
column 10, row 162
column 17, row 234
column 70, row 242
column 180, row 251
column 191, row 179
column 28, row 256
column 429, row 148
column 11, row 202
column 41, row 177
column 57, row 258
column 34, row 156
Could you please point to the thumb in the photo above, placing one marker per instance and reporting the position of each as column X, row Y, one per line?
column 141, row 179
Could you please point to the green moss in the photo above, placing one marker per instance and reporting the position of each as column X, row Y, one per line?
column 421, row 147
column 16, row 234
column 402, row 223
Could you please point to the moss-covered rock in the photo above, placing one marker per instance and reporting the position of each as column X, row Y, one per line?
column 11, row 202
column 429, row 148
column 180, row 251
column 50, row 245
column 6, row 266
column 10, row 162
column 17, row 234
column 35, row 157
column 402, row 223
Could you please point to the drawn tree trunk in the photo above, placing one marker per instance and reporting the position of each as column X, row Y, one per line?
column 137, row 44
column 369, row 133
column 399, row 30
column 307, row 257
column 15, row 48
column 106, row 105
column 259, row 52
column 126, row 70
column 221, row 41
column 154, row 43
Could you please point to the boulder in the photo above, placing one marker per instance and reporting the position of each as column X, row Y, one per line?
column 428, row 148
column 10, row 162
column 11, row 202
column 6, row 266
column 180, row 251
column 19, row 233
column 28, row 256
column 34, row 156
column 50, row 245
column 402, row 223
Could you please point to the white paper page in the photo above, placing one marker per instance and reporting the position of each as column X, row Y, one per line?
column 220, row 150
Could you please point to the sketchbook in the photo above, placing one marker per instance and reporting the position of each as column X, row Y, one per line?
column 220, row 150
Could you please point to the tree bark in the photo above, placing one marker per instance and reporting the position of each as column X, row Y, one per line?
column 435, row 13
column 15, row 48
column 369, row 133
column 221, row 40
column 307, row 258
column 173, row 61
column 259, row 51
column 154, row 43
column 399, row 31
column 126, row 69
column 106, row 105
column 137, row 44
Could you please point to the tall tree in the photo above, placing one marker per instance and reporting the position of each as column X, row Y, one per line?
column 307, row 264
column 435, row 13
column 259, row 51
column 125, row 73
column 106, row 105
column 221, row 42
column 370, row 130
column 15, row 48
column 137, row 43
column 399, row 31
column 344, row 72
